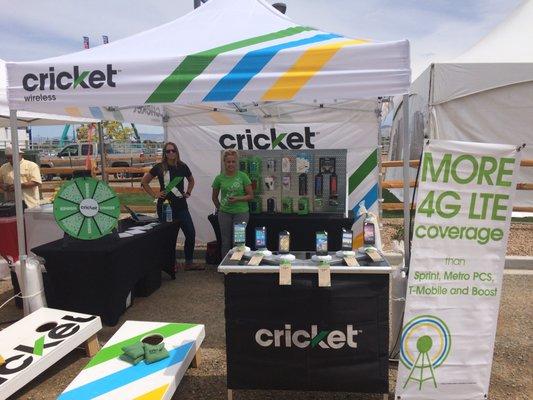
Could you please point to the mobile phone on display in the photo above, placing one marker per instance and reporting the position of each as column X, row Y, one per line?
column 369, row 233
column 260, row 237
column 321, row 243
column 347, row 240
column 239, row 234
column 284, row 242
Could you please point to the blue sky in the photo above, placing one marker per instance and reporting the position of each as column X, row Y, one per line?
column 439, row 30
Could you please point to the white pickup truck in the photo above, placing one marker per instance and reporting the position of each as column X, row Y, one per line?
column 75, row 155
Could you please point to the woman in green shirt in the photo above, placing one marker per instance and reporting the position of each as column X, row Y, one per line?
column 235, row 190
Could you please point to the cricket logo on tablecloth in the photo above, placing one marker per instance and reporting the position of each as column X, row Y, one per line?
column 426, row 343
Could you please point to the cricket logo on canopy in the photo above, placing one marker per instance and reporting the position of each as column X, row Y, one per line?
column 425, row 345
column 75, row 78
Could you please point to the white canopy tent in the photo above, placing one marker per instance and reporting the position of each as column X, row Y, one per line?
column 485, row 95
column 226, row 55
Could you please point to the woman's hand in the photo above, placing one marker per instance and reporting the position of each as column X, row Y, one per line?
column 233, row 199
column 162, row 195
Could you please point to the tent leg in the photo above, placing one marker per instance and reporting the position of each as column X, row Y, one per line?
column 406, row 179
column 18, row 206
column 165, row 131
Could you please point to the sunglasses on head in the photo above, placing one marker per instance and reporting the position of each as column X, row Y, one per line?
column 170, row 151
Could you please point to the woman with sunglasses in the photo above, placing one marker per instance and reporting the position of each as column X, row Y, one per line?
column 170, row 168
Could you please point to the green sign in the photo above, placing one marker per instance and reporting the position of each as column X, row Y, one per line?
column 86, row 208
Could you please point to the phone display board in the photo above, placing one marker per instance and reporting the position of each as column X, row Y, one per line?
column 86, row 208
column 296, row 181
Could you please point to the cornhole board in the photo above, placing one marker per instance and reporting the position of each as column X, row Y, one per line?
column 106, row 376
column 39, row 340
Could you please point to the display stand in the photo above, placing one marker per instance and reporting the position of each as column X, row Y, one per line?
column 36, row 342
column 278, row 336
column 106, row 376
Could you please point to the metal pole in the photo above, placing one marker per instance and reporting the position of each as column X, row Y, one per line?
column 102, row 154
column 18, row 207
column 380, row 171
column 165, row 128
column 406, row 178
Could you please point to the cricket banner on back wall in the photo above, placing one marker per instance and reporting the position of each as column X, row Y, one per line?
column 200, row 147
column 465, row 199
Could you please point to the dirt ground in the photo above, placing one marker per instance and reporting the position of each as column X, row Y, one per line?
column 198, row 297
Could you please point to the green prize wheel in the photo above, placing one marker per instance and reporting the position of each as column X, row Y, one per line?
column 86, row 208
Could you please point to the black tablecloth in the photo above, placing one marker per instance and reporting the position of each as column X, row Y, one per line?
column 277, row 337
column 302, row 228
column 96, row 277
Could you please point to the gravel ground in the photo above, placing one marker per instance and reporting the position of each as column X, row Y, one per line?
column 520, row 239
column 198, row 297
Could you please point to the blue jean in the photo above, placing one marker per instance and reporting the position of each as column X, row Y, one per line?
column 187, row 226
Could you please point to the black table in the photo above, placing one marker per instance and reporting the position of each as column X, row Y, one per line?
column 305, row 337
column 97, row 277
column 302, row 228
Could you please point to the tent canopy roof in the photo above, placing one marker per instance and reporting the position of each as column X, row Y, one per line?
column 226, row 51
column 502, row 58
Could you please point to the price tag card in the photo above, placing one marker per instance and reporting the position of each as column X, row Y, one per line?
column 351, row 261
column 285, row 274
column 324, row 275
column 237, row 255
column 255, row 260
column 374, row 255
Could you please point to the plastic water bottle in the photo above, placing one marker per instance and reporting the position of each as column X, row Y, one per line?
column 167, row 212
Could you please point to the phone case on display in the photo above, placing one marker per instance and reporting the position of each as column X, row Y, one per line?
column 327, row 165
column 271, row 166
column 270, row 183
column 243, row 165
column 286, row 205
column 254, row 165
column 302, row 185
column 303, row 206
column 256, row 205
column 271, row 205
column 256, row 186
column 319, row 183
column 286, row 164
column 286, row 183
column 333, row 185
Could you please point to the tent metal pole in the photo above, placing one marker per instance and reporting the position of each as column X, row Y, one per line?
column 102, row 151
column 18, row 207
column 165, row 129
column 406, row 180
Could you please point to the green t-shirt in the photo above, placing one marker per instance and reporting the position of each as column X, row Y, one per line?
column 231, row 186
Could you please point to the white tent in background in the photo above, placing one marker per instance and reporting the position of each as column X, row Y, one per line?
column 485, row 95
column 30, row 118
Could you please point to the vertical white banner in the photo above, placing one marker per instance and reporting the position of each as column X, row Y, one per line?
column 465, row 199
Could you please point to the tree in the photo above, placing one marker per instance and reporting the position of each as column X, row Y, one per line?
column 113, row 130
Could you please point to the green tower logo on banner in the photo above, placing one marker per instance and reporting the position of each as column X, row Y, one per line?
column 86, row 208
column 425, row 345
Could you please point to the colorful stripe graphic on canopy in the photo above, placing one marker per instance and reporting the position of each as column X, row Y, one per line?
column 194, row 64
column 106, row 376
column 307, row 66
column 251, row 64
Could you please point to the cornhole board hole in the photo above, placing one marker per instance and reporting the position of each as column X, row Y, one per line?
column 39, row 340
column 106, row 376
